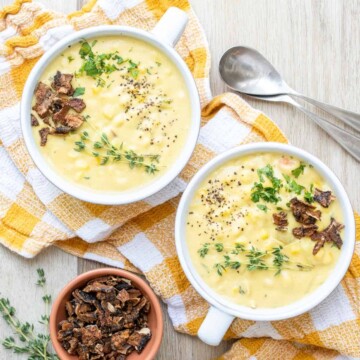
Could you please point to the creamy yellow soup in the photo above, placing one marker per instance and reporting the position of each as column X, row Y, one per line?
column 139, row 101
column 237, row 248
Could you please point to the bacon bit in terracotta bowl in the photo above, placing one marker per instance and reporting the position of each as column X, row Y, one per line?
column 106, row 314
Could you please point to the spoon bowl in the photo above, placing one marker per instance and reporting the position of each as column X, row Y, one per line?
column 245, row 70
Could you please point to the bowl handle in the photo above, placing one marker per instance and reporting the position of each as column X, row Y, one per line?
column 171, row 26
column 214, row 327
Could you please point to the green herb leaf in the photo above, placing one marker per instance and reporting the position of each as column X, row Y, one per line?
column 104, row 160
column 268, row 194
column 293, row 186
column 255, row 259
column 85, row 50
column 263, row 207
column 70, row 59
column 204, row 250
column 279, row 259
column 134, row 73
column 79, row 91
column 41, row 277
column 299, row 170
column 309, row 196
column 219, row 269
column 35, row 345
column 219, row 247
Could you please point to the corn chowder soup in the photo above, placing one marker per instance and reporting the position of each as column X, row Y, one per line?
column 111, row 113
column 264, row 230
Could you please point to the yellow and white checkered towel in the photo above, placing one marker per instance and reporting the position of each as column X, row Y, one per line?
column 34, row 214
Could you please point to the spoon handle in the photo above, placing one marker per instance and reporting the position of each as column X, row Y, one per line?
column 349, row 142
column 348, row 117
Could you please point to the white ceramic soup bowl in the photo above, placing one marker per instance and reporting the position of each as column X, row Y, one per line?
column 163, row 37
column 222, row 312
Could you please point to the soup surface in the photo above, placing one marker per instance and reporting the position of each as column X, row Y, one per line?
column 111, row 113
column 264, row 230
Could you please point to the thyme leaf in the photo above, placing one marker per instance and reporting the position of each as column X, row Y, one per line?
column 204, row 250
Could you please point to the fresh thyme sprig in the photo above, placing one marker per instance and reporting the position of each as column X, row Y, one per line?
column 253, row 258
column 106, row 151
column 204, row 250
column 31, row 343
column 279, row 259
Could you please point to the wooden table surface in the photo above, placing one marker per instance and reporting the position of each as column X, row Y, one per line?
column 314, row 44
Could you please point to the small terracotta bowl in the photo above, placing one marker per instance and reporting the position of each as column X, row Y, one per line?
column 155, row 317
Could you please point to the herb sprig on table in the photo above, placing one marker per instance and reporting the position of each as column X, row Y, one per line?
column 106, row 151
column 35, row 345
column 253, row 258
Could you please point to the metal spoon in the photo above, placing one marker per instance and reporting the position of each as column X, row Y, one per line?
column 247, row 71
column 348, row 141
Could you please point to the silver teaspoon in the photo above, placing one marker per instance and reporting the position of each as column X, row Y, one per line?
column 349, row 142
column 247, row 71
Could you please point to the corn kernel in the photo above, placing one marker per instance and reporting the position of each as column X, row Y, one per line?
column 96, row 89
column 295, row 251
column 108, row 111
column 119, row 119
column 82, row 164
column 79, row 175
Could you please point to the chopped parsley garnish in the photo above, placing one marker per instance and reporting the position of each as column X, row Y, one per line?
column 266, row 193
column 79, row 91
column 95, row 65
column 133, row 69
column 263, row 207
column 309, row 196
column 299, row 170
column 293, row 186
column 70, row 59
